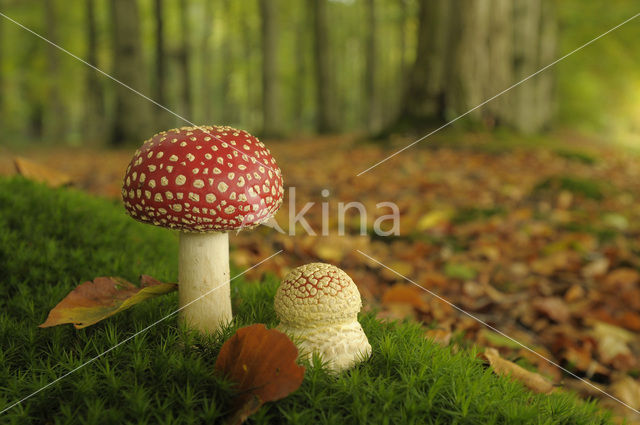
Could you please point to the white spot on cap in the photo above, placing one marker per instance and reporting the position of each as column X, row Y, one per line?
column 157, row 197
column 180, row 180
column 173, row 158
column 198, row 183
column 152, row 183
column 222, row 187
column 169, row 168
column 194, row 197
column 168, row 195
column 143, row 177
column 159, row 155
column 190, row 157
column 164, row 181
column 151, row 167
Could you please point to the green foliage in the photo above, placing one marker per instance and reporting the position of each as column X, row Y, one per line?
column 588, row 188
column 50, row 240
column 578, row 156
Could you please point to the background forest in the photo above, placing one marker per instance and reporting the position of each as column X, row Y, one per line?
column 286, row 67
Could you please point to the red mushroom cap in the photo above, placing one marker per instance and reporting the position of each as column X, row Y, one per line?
column 202, row 179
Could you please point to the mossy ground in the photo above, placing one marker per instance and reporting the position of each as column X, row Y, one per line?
column 51, row 241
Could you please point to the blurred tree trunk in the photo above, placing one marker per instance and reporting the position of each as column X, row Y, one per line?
column 251, row 110
column 423, row 102
column 300, row 87
column 132, row 112
column 534, row 47
column 55, row 115
column 324, row 84
column 468, row 70
column 205, row 51
column 227, row 106
column 94, row 123
column 371, row 98
column 271, row 107
column 402, row 30
column 469, row 51
column 185, row 59
column 3, row 88
column 160, row 115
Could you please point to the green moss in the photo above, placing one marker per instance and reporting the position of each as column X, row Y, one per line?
column 588, row 188
column 52, row 240
column 578, row 156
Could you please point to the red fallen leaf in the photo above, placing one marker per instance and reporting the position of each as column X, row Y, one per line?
column 94, row 301
column 262, row 363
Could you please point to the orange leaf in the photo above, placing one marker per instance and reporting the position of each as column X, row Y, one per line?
column 262, row 363
column 94, row 301
column 40, row 173
column 401, row 293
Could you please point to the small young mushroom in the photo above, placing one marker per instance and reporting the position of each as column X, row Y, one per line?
column 318, row 306
column 204, row 182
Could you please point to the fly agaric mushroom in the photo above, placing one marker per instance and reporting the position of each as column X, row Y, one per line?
column 204, row 182
column 318, row 306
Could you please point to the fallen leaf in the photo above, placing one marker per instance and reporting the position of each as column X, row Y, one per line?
column 627, row 389
column 401, row 293
column 433, row 219
column 623, row 278
column 94, row 301
column 262, row 364
column 534, row 381
column 40, row 173
column 553, row 307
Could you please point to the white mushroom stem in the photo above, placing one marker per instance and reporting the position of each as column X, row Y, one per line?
column 203, row 280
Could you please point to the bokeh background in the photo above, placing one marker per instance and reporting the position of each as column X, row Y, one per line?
column 290, row 67
column 525, row 212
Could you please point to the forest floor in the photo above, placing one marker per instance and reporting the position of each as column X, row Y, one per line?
column 537, row 239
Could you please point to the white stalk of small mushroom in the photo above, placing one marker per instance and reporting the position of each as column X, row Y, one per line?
column 317, row 305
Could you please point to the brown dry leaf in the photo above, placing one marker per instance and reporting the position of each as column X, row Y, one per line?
column 553, row 307
column 534, row 381
column 439, row 336
column 623, row 278
column 405, row 294
column 262, row 364
column 627, row 389
column 40, row 173
column 94, row 301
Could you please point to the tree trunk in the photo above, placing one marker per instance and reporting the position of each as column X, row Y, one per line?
column 271, row 124
column 469, row 51
column 205, row 51
column 300, row 79
column 468, row 70
column 132, row 113
column 227, row 105
column 160, row 115
column 94, row 124
column 424, row 96
column 370, row 68
column 185, row 56
column 55, row 116
column 324, row 85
